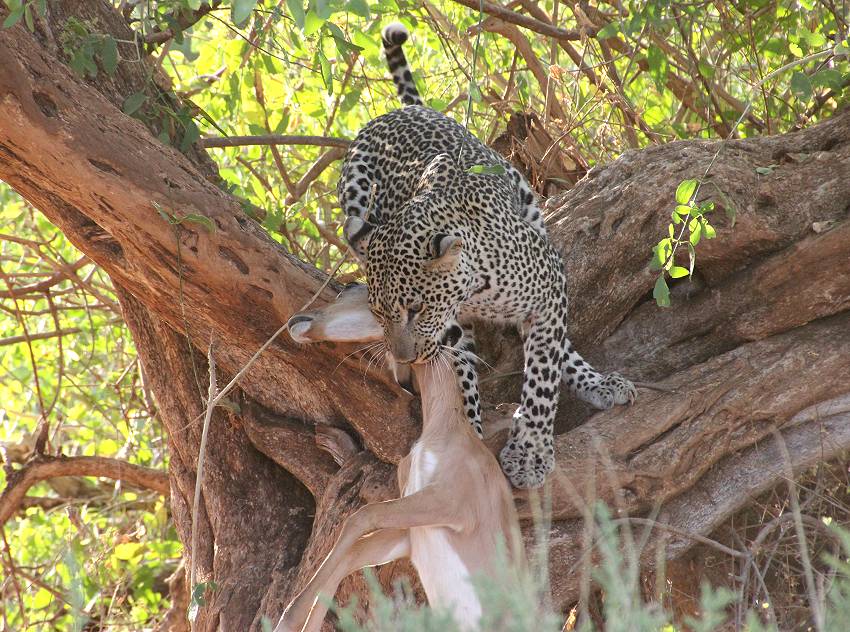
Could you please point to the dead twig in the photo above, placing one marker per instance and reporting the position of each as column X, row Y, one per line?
column 45, row 467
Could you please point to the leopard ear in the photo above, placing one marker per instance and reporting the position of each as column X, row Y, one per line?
column 357, row 233
column 439, row 173
column 444, row 250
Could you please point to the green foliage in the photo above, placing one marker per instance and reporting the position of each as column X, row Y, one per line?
column 688, row 226
column 198, row 598
column 25, row 9
column 102, row 552
column 84, row 48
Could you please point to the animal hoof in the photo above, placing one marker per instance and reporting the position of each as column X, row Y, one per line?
column 298, row 327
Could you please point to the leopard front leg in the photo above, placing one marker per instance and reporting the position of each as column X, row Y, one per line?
column 529, row 454
column 464, row 364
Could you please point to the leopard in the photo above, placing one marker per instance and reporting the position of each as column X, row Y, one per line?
column 451, row 233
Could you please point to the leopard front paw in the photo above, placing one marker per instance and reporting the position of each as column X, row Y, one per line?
column 525, row 464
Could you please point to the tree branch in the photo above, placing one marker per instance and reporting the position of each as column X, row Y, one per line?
column 184, row 21
column 41, row 286
column 13, row 340
column 45, row 467
column 274, row 139
column 526, row 22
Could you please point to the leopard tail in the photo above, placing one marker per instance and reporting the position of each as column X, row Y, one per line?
column 394, row 36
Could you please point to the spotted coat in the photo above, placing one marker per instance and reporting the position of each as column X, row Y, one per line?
column 444, row 245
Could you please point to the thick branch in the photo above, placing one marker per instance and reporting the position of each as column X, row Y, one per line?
column 42, row 468
column 97, row 173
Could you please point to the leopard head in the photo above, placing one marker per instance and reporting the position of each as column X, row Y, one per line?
column 418, row 275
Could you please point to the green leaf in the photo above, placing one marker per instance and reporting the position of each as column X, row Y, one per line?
column 195, row 218
column 677, row 272
column 685, row 190
column 370, row 47
column 28, row 18
column 660, row 254
column 109, row 55
column 656, row 59
column 13, row 18
column 692, row 255
column 696, row 232
column 828, row 78
column 766, row 171
column 42, row 599
column 683, row 209
column 342, row 43
column 487, row 170
column 133, row 102
column 296, row 10
column 795, row 49
column 709, row 231
column 127, row 550
column 801, row 86
column 327, row 75
column 190, row 135
column 359, row 7
column 731, row 213
column 312, row 23
column 241, row 10
column 165, row 214
column 185, row 47
column 609, row 30
column 661, row 293
column 323, row 8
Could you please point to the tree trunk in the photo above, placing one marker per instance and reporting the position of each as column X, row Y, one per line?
column 758, row 343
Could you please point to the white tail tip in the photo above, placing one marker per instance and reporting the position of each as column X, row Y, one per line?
column 394, row 34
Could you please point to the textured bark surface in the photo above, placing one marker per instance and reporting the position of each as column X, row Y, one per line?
column 758, row 342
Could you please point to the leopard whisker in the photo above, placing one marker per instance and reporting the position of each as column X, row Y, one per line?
column 365, row 349
column 461, row 352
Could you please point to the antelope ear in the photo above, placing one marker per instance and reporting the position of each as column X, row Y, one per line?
column 357, row 233
column 444, row 250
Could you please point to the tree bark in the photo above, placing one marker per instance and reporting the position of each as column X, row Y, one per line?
column 758, row 342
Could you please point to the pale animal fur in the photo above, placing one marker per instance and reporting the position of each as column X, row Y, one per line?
column 456, row 508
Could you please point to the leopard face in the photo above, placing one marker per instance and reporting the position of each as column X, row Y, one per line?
column 419, row 277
